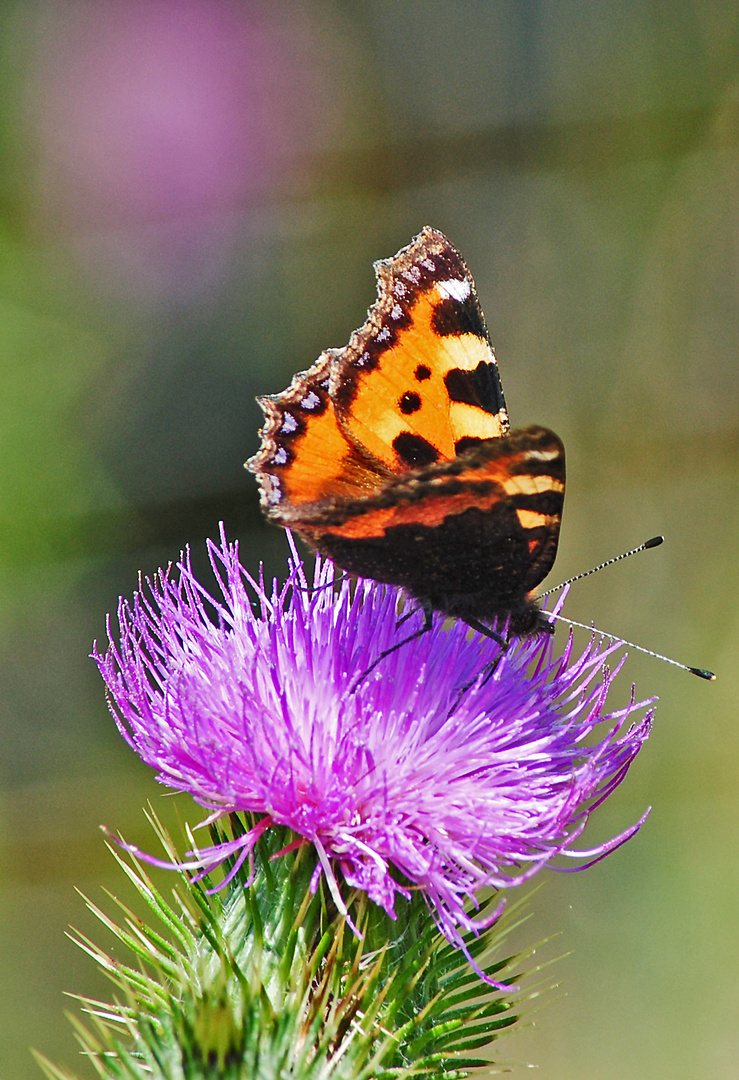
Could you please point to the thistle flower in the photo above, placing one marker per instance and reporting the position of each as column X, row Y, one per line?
column 403, row 780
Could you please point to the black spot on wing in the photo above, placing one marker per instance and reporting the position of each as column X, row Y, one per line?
column 479, row 387
column 469, row 442
column 542, row 502
column 409, row 403
column 414, row 451
column 422, row 372
column 459, row 317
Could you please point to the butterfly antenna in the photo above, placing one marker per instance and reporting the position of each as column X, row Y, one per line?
column 654, row 542
column 702, row 673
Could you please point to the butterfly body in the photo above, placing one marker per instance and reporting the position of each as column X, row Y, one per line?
column 394, row 457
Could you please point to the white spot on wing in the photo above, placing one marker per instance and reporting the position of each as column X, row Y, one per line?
column 397, row 312
column 453, row 289
column 272, row 489
column 383, row 335
column 543, row 455
column 289, row 424
column 310, row 401
column 280, row 456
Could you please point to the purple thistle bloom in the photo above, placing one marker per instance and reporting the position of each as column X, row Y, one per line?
column 246, row 702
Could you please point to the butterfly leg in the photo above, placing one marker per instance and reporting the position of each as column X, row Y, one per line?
column 405, row 617
column 481, row 628
column 489, row 670
column 319, row 588
column 428, row 619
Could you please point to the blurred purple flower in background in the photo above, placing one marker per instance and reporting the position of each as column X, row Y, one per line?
column 167, row 117
column 246, row 703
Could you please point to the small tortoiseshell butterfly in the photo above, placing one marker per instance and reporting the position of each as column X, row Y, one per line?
column 393, row 456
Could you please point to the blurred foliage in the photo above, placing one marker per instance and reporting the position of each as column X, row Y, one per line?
column 191, row 196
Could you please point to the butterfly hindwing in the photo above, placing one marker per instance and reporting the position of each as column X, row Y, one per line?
column 467, row 536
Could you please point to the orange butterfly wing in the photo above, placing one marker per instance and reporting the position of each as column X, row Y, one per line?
column 417, row 383
column 394, row 457
column 419, row 380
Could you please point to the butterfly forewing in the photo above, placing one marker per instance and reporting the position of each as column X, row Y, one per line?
column 419, row 380
column 306, row 459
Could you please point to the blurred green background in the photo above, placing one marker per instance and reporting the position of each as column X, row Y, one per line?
column 191, row 197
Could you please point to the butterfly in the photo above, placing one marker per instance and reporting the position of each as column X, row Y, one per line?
column 394, row 456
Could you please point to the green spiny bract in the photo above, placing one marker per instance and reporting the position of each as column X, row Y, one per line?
column 264, row 980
